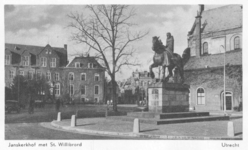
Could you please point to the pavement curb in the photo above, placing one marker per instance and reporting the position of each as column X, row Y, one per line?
column 139, row 135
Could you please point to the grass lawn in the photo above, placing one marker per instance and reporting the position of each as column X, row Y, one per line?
column 49, row 113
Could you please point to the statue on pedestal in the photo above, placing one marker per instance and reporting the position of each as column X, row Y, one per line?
column 165, row 57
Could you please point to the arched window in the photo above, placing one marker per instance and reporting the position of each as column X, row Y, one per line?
column 71, row 76
column 200, row 96
column 83, row 89
column 236, row 42
column 83, row 76
column 205, row 48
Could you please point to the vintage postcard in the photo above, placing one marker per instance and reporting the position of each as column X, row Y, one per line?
column 123, row 76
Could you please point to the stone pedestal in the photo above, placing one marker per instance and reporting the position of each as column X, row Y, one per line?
column 168, row 97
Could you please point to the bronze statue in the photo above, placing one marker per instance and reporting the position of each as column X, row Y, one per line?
column 165, row 57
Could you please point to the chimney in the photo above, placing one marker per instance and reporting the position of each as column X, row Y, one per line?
column 198, row 31
column 66, row 57
column 65, row 47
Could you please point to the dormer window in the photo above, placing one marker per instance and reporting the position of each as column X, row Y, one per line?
column 26, row 61
column 7, row 59
column 90, row 65
column 77, row 65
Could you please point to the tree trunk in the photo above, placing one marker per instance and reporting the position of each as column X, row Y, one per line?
column 114, row 94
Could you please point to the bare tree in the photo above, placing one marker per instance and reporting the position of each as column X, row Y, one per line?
column 106, row 30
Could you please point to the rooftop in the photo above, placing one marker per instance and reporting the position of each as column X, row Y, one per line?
column 216, row 60
column 222, row 18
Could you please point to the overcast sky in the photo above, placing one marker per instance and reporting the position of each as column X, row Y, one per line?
column 43, row 24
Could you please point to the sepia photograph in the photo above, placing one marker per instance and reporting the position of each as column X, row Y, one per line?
column 76, row 73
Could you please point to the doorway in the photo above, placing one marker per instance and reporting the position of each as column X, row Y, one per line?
column 229, row 100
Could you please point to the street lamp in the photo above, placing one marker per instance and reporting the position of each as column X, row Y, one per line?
column 224, row 73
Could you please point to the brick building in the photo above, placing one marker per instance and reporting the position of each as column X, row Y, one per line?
column 215, row 39
column 85, row 82
column 135, row 88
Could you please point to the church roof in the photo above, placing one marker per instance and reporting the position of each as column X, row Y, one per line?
column 222, row 18
column 217, row 60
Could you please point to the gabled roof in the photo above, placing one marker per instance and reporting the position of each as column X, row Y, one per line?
column 221, row 18
column 19, row 48
column 85, row 61
column 217, row 60
column 36, row 50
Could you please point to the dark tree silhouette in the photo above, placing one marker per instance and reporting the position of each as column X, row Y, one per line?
column 106, row 30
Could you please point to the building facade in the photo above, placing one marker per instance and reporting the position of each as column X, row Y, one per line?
column 135, row 88
column 81, row 79
column 85, row 80
column 215, row 40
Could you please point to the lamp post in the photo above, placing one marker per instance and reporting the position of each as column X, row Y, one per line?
column 224, row 79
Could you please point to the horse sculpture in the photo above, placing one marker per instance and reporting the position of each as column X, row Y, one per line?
column 160, row 59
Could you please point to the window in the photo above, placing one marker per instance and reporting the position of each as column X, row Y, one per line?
column 26, row 61
column 39, row 75
column 205, row 48
column 57, row 89
column 56, row 76
column 96, row 89
column 94, row 65
column 21, row 73
column 11, row 74
column 43, row 61
column 96, row 100
column 7, row 59
column 83, row 76
column 53, row 62
column 48, row 76
column 77, row 65
column 96, row 77
column 155, row 94
column 71, row 89
column 236, row 42
column 200, row 96
column 30, row 75
column 90, row 65
column 83, row 90
column 71, row 76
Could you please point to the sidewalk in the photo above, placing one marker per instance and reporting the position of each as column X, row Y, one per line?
column 211, row 130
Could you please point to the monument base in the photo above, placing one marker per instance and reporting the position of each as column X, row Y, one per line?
column 168, row 97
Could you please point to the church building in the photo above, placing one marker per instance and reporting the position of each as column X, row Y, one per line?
column 214, row 70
